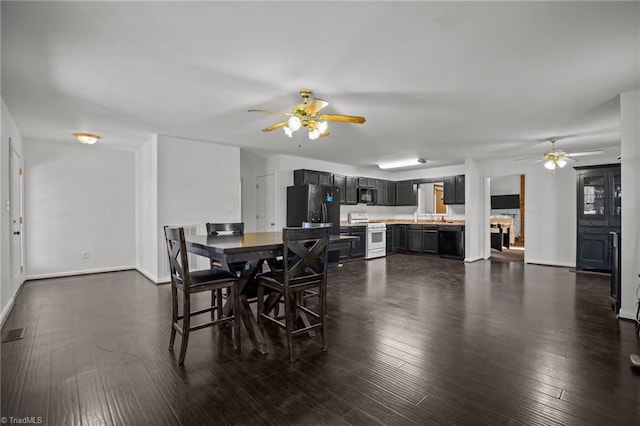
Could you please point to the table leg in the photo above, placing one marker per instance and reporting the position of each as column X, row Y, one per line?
column 250, row 323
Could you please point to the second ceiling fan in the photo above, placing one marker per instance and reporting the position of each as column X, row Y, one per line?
column 558, row 158
column 306, row 114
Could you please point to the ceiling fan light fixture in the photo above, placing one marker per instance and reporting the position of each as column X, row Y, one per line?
column 87, row 138
column 288, row 131
column 294, row 123
column 314, row 134
column 551, row 165
column 561, row 162
column 322, row 126
column 402, row 163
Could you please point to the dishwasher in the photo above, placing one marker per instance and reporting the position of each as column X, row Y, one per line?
column 451, row 241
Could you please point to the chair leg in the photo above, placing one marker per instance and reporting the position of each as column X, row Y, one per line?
column 186, row 324
column 174, row 314
column 290, row 318
column 236, row 316
column 322, row 304
column 260, row 305
column 219, row 303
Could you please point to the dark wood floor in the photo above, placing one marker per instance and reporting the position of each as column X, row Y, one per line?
column 412, row 340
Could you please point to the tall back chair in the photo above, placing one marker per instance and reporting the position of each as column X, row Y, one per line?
column 221, row 229
column 188, row 282
column 304, row 268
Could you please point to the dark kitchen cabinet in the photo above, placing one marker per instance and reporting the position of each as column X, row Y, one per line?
column 325, row 178
column 453, row 191
column 345, row 253
column 303, row 177
column 414, row 238
column 399, row 237
column 381, row 187
column 389, row 240
column 340, row 181
column 365, row 182
column 593, row 249
column 358, row 247
column 406, row 193
column 351, row 193
column 391, row 193
column 430, row 239
column 599, row 214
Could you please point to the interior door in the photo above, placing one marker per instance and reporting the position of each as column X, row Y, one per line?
column 17, row 222
column 265, row 203
column 438, row 195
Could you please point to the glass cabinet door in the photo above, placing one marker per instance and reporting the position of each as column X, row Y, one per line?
column 593, row 196
column 616, row 195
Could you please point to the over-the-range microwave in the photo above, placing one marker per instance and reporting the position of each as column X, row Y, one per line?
column 367, row 196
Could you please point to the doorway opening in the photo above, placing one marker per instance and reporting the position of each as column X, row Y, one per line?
column 507, row 218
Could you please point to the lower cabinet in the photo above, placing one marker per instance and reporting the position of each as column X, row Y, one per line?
column 389, row 240
column 357, row 249
column 422, row 238
column 594, row 248
column 430, row 239
column 399, row 237
column 414, row 238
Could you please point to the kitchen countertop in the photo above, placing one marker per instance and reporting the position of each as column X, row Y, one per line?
column 408, row 222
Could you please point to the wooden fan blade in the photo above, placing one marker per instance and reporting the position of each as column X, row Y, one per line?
column 581, row 154
column 270, row 111
column 276, row 126
column 343, row 118
column 315, row 105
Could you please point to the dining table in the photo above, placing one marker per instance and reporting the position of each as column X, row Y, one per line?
column 251, row 249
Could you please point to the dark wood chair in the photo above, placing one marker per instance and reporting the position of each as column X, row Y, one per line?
column 189, row 282
column 305, row 268
column 221, row 229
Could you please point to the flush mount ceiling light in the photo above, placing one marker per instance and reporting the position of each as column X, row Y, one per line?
column 87, row 138
column 402, row 163
column 306, row 115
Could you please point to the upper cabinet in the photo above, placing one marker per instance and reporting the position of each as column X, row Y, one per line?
column 302, row 177
column 453, row 189
column 599, row 195
column 406, row 193
column 388, row 193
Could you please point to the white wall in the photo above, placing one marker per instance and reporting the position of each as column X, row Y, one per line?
column 251, row 166
column 630, row 150
column 78, row 198
column 198, row 182
column 8, row 288
column 146, row 188
column 505, row 185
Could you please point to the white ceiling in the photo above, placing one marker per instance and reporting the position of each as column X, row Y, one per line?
column 440, row 80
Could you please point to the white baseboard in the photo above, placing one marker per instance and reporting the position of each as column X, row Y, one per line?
column 82, row 272
column 7, row 309
column 153, row 278
column 547, row 263
column 472, row 259
column 627, row 315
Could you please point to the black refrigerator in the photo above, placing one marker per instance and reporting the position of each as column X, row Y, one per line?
column 315, row 204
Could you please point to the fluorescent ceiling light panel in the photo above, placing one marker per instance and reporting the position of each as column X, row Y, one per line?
column 402, row 163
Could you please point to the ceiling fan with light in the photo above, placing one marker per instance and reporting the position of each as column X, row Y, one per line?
column 307, row 115
column 558, row 158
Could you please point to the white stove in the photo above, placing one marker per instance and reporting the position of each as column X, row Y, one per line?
column 376, row 244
